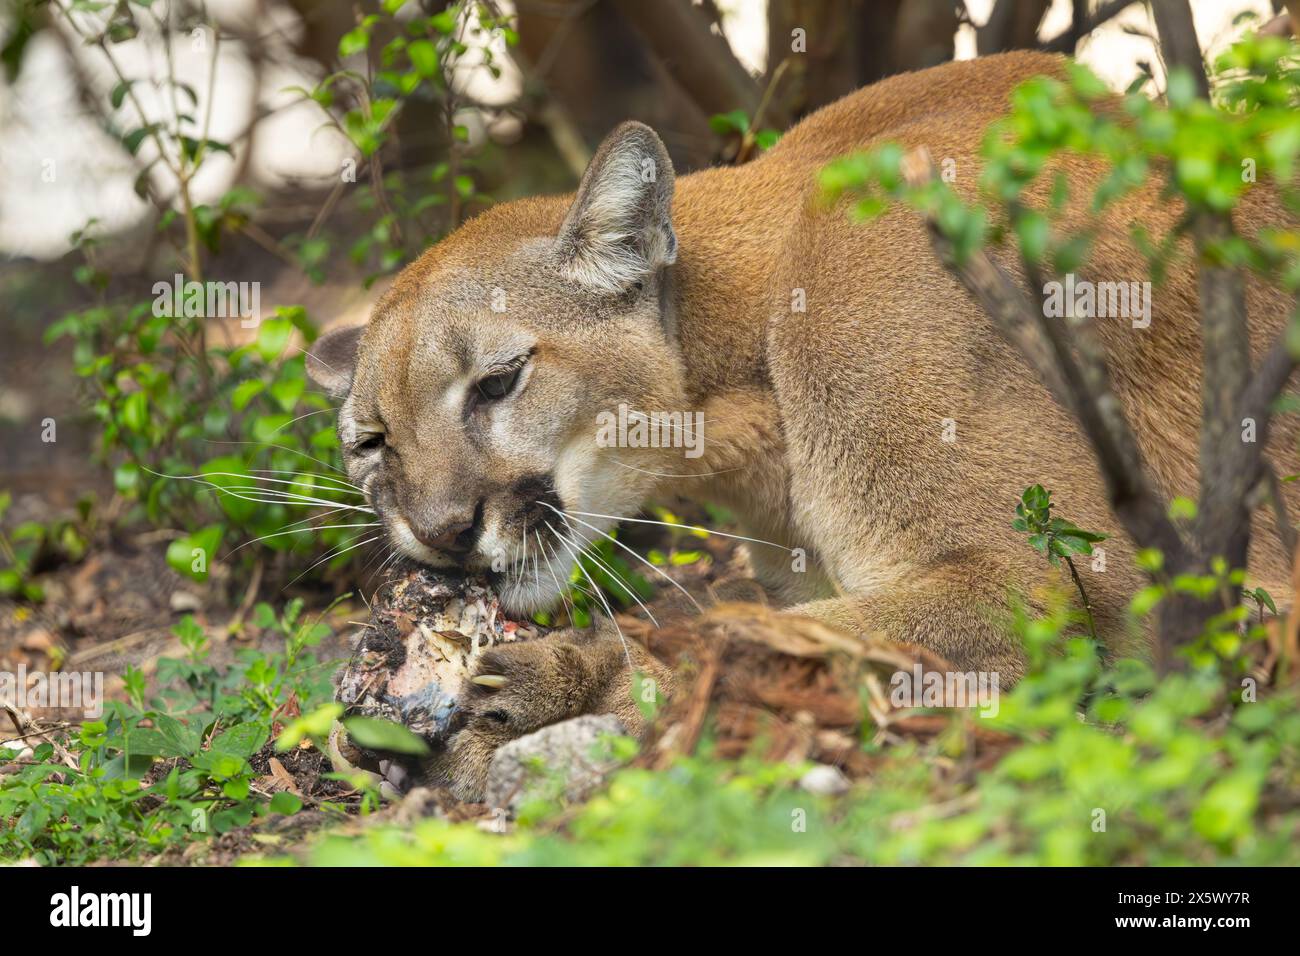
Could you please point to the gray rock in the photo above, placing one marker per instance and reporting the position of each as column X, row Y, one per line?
column 565, row 761
column 824, row 780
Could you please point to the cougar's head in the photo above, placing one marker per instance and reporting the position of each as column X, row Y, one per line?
column 476, row 402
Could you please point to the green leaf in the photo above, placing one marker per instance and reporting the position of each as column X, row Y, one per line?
column 272, row 337
column 135, row 412
column 1226, row 810
column 267, row 428
column 424, row 58
column 444, row 22
column 142, row 741
column 1182, row 87
column 119, row 93
column 126, row 478
column 376, row 734
column 317, row 724
column 1265, row 599
column 32, row 822
column 287, row 391
column 354, row 41
column 133, row 139
column 1033, row 231
column 179, row 740
column 241, row 740
column 284, row 802
column 194, row 554
column 245, row 392
column 737, row 121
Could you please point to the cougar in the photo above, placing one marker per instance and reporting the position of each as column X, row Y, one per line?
column 860, row 413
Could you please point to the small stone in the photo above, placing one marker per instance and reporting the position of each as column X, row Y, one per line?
column 184, row 601
column 38, row 640
column 563, row 761
column 824, row 781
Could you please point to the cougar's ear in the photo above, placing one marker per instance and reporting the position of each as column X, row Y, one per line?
column 619, row 230
column 332, row 359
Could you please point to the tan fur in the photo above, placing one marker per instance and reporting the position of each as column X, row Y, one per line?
column 824, row 427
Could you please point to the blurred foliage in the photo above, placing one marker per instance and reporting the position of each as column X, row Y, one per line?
column 30, row 544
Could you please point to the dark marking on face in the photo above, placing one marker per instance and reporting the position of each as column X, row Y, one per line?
column 533, row 493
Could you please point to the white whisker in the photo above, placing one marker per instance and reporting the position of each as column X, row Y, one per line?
column 673, row 474
column 318, row 411
column 308, row 474
column 327, row 527
column 334, row 554
column 599, row 595
column 549, row 567
column 622, row 583
column 657, row 570
column 292, row 451
column 684, row 527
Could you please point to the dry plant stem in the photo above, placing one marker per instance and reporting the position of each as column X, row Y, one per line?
column 237, row 622
column 1083, row 596
column 747, row 144
column 27, row 727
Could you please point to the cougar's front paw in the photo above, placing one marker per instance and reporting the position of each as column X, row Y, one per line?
column 519, row 688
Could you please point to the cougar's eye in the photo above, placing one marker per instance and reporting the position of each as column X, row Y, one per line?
column 366, row 444
column 500, row 384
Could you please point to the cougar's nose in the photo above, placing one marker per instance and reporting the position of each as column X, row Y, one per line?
column 455, row 540
column 445, row 539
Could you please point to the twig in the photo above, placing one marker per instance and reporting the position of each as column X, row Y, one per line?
column 27, row 727
column 749, row 139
